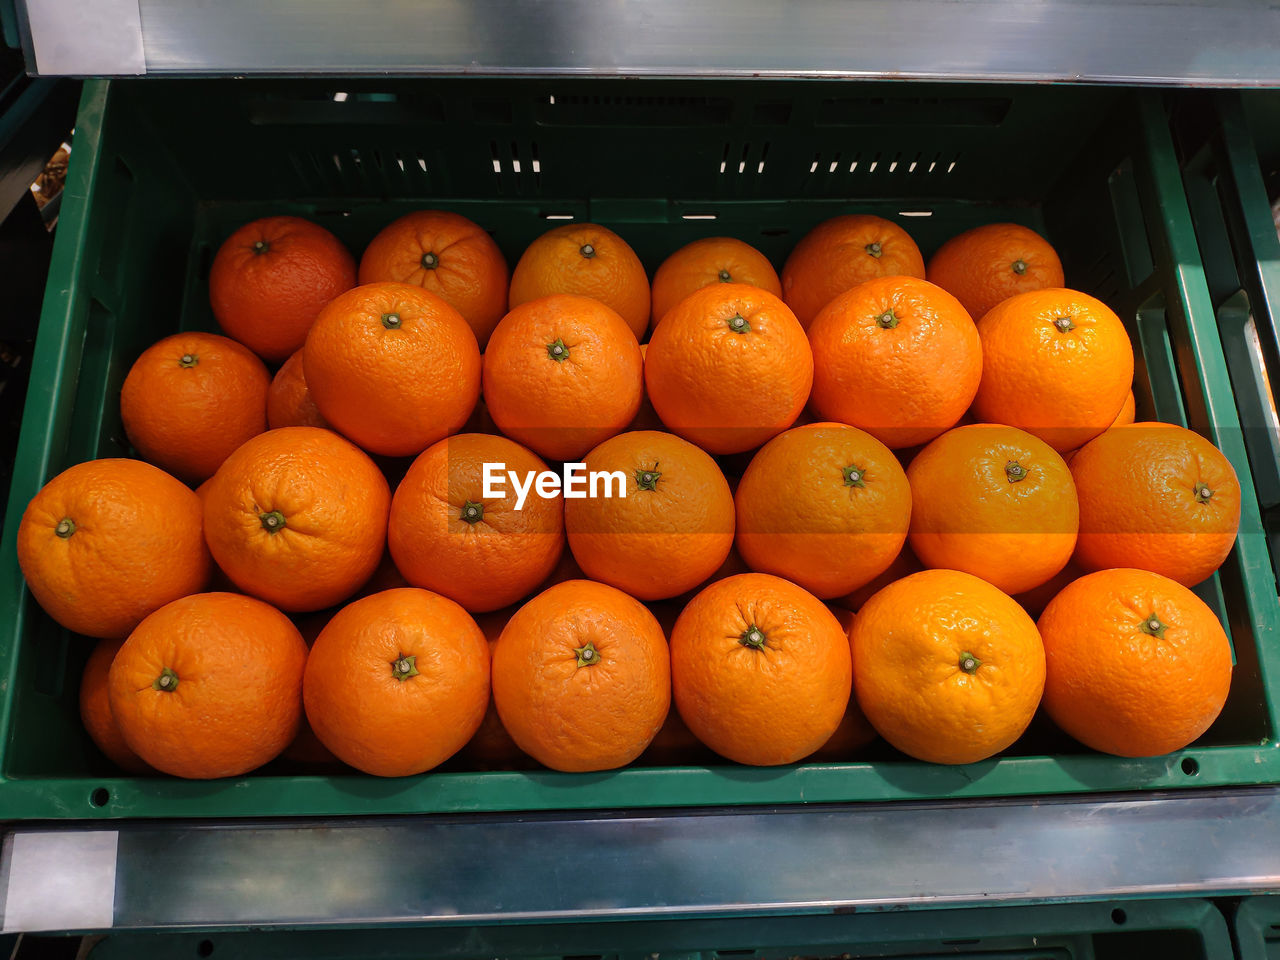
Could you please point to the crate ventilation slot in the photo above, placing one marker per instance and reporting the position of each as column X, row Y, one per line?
column 747, row 159
column 516, row 167
column 630, row 111
column 912, row 164
column 367, row 170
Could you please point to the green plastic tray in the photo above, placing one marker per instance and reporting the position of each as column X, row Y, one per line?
column 1113, row 930
column 1256, row 925
column 164, row 170
column 1231, row 159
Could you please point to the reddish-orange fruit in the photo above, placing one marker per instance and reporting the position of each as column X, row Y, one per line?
column 209, row 686
column 646, row 418
column 446, row 535
column 582, row 678
column 562, row 374
column 190, row 400
column 826, row 506
column 841, row 253
column 1037, row 598
column 855, row 730
column 1056, row 363
column 589, row 261
column 896, row 357
column 985, row 265
column 397, row 682
column 95, row 710
column 297, row 517
column 755, row 646
column 491, row 748
column 946, row 667
column 707, row 262
column 728, row 368
column 659, row 522
column 272, row 277
column 306, row 750
column 105, row 543
column 1156, row 497
column 905, row 564
column 1128, row 412
column 1138, row 665
column 996, row 502
column 448, row 255
column 289, row 402
column 393, row 367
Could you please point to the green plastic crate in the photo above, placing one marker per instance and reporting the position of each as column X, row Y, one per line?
column 1113, row 930
column 1231, row 158
column 1256, row 925
column 155, row 185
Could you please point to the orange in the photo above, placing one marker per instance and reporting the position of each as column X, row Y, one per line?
column 272, row 277
column 985, row 265
column 209, row 686
column 562, row 374
column 728, row 368
column 706, row 262
column 996, row 502
column 105, row 543
column 398, row 682
column 1156, row 497
column 448, row 255
column 306, row 750
column 393, row 367
column 826, row 506
column 581, row 677
column 760, row 670
column 190, row 400
column 841, row 253
column 905, row 564
column 896, row 357
column 297, row 517
column 661, row 521
column 95, row 710
column 855, row 730
column 289, row 402
column 1037, row 598
column 1056, row 363
column 586, row 260
column 480, row 551
column 1138, row 665
column 646, row 418
column 491, row 748
column 947, row 668
column 1128, row 412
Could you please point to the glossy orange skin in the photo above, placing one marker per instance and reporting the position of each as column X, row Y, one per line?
column 289, row 402
column 238, row 698
column 561, row 408
column 896, row 357
column 466, row 267
column 1128, row 412
column 597, row 716
column 190, row 400
column 334, row 503
column 909, row 642
column 488, row 563
column 393, row 390
column 137, row 545
column 724, row 390
column 366, row 714
column 707, row 262
column 491, row 748
column 904, row 564
column 969, row 513
column 802, row 516
column 834, row 256
column 268, row 300
column 663, row 537
column 1037, row 598
column 1116, row 687
column 1139, row 506
column 611, row 274
column 986, row 265
column 1064, row 386
column 762, row 706
column 95, row 710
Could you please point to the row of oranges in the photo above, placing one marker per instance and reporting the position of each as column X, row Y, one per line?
column 945, row 664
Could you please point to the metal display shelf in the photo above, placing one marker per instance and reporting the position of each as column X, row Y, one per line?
column 637, row 866
column 1209, row 42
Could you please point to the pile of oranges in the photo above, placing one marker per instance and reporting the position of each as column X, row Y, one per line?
column 842, row 495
